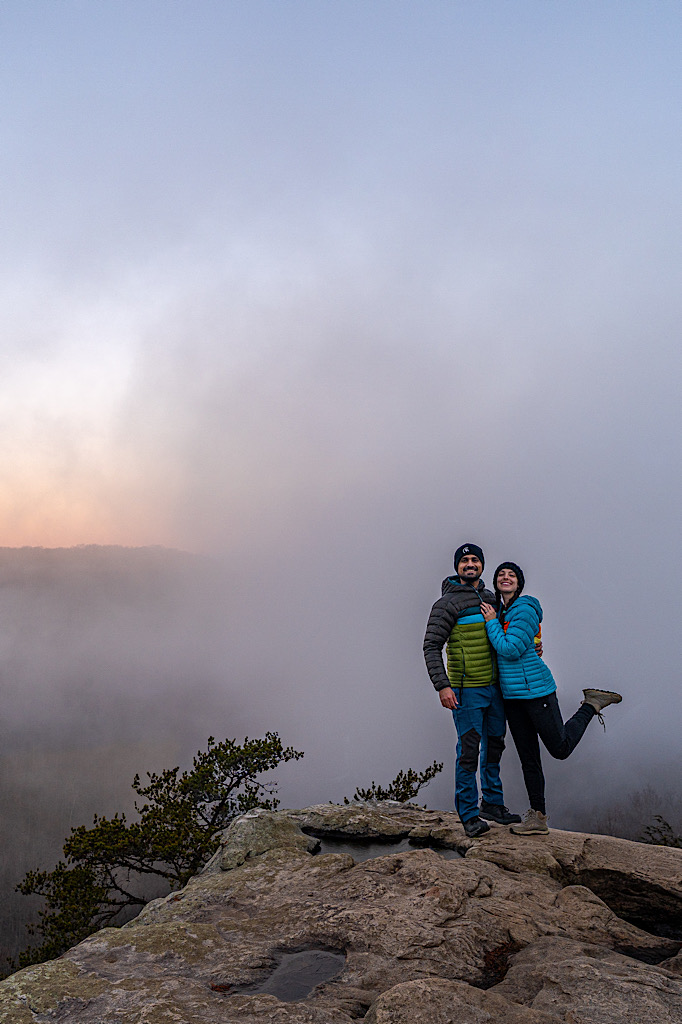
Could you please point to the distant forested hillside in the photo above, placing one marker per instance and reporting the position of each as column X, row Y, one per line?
column 112, row 661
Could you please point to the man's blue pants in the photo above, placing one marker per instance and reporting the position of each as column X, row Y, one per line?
column 480, row 724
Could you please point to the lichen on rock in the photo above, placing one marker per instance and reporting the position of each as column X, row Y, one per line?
column 258, row 831
column 41, row 988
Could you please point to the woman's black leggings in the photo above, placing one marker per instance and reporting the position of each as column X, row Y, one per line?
column 541, row 716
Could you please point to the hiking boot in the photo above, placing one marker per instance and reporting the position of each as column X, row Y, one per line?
column 600, row 699
column 534, row 824
column 474, row 828
column 498, row 813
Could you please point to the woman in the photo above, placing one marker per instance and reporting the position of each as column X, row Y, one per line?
column 529, row 691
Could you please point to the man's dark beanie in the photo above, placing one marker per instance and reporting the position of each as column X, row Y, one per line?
column 468, row 549
column 514, row 568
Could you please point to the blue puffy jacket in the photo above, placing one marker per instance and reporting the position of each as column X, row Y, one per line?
column 522, row 673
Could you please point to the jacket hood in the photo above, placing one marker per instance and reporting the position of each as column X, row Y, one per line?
column 453, row 583
column 526, row 599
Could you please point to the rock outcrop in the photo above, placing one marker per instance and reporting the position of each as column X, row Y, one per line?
column 438, row 929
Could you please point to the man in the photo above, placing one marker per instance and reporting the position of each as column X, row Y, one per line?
column 469, row 689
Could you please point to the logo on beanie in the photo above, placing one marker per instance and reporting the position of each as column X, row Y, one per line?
column 465, row 551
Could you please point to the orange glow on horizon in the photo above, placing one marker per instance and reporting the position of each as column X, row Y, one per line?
column 65, row 520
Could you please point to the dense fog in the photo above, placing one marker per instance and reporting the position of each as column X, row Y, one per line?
column 118, row 660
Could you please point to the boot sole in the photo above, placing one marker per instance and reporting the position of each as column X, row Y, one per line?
column 530, row 832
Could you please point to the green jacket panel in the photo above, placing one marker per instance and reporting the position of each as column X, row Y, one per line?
column 471, row 659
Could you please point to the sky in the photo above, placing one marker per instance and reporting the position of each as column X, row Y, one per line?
column 324, row 289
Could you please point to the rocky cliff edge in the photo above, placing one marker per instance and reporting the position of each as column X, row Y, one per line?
column 288, row 923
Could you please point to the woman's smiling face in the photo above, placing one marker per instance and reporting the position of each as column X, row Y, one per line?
column 507, row 581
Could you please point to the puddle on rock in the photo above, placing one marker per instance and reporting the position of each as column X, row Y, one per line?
column 297, row 974
column 365, row 850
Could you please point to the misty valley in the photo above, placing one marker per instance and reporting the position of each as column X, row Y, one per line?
column 117, row 661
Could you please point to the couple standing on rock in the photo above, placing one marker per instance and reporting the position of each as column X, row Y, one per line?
column 495, row 673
